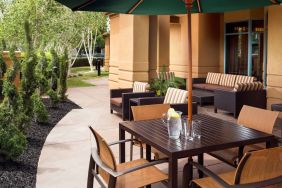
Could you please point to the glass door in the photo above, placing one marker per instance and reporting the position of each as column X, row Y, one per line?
column 237, row 48
column 257, row 49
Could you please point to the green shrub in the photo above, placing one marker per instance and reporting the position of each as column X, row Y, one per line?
column 12, row 142
column 40, row 112
column 29, row 81
column 54, row 69
column 3, row 66
column 53, row 97
column 64, row 66
column 42, row 74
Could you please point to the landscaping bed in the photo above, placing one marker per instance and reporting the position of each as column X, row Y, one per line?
column 22, row 171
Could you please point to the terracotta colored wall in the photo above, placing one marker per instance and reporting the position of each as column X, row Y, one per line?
column 274, row 59
column 205, row 45
column 158, row 44
column 9, row 63
column 129, row 38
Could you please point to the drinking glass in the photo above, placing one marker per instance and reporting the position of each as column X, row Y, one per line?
column 196, row 129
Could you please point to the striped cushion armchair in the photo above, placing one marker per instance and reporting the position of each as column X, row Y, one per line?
column 119, row 98
column 177, row 98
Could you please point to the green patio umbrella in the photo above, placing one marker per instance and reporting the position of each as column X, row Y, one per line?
column 168, row 7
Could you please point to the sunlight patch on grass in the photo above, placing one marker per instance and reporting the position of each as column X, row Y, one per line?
column 77, row 82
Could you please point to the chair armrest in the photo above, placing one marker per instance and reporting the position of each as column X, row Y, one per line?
column 211, row 174
column 121, row 141
column 199, row 80
column 116, row 174
column 118, row 92
column 127, row 96
column 150, row 100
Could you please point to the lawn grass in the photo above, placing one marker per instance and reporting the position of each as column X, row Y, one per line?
column 85, row 74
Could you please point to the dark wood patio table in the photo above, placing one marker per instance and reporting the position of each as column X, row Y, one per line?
column 216, row 134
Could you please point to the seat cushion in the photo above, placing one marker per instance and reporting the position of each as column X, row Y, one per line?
column 212, row 87
column 139, row 178
column 208, row 182
column 117, row 101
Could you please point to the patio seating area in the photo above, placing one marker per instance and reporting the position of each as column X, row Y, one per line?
column 66, row 156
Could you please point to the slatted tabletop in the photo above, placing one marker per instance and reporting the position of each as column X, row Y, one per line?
column 216, row 134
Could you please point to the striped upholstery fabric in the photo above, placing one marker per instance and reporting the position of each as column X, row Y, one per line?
column 213, row 78
column 244, row 79
column 175, row 96
column 253, row 86
column 140, row 87
column 227, row 80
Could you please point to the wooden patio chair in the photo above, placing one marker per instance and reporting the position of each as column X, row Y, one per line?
column 108, row 173
column 254, row 118
column 148, row 112
column 261, row 168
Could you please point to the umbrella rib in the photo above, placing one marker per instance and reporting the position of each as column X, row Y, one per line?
column 199, row 6
column 274, row 1
column 134, row 6
column 83, row 5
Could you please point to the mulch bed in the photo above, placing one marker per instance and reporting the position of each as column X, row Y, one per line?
column 22, row 172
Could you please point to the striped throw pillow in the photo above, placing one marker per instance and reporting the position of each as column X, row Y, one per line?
column 140, row 87
column 213, row 78
column 175, row 96
column 244, row 79
column 227, row 80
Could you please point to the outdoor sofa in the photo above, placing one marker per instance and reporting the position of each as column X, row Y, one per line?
column 119, row 98
column 177, row 98
column 231, row 92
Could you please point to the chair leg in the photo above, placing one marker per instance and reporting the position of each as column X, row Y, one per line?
column 131, row 149
column 90, row 178
column 215, row 110
column 112, row 111
column 141, row 152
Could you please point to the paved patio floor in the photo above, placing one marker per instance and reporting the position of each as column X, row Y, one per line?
column 65, row 155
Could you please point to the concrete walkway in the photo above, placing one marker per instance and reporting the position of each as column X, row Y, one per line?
column 65, row 156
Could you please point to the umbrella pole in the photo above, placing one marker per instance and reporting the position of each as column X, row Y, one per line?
column 189, row 4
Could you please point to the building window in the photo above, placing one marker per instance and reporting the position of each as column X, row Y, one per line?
column 244, row 48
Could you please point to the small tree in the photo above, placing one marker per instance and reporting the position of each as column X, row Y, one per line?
column 40, row 113
column 3, row 69
column 54, row 69
column 64, row 65
column 12, row 118
column 42, row 73
column 28, row 81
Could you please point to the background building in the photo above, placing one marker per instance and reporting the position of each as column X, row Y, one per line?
column 246, row 42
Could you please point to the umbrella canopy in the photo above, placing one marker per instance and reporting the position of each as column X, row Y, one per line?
column 164, row 7
column 168, row 7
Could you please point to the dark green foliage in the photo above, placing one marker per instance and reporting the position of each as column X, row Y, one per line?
column 12, row 141
column 29, row 82
column 64, row 66
column 42, row 73
column 16, row 65
column 3, row 66
column 4, row 45
column 54, row 69
column 40, row 112
column 53, row 97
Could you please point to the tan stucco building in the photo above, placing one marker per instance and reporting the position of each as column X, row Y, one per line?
column 245, row 42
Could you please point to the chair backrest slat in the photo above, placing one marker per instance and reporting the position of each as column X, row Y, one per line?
column 175, row 96
column 259, row 166
column 105, row 154
column 147, row 112
column 256, row 118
